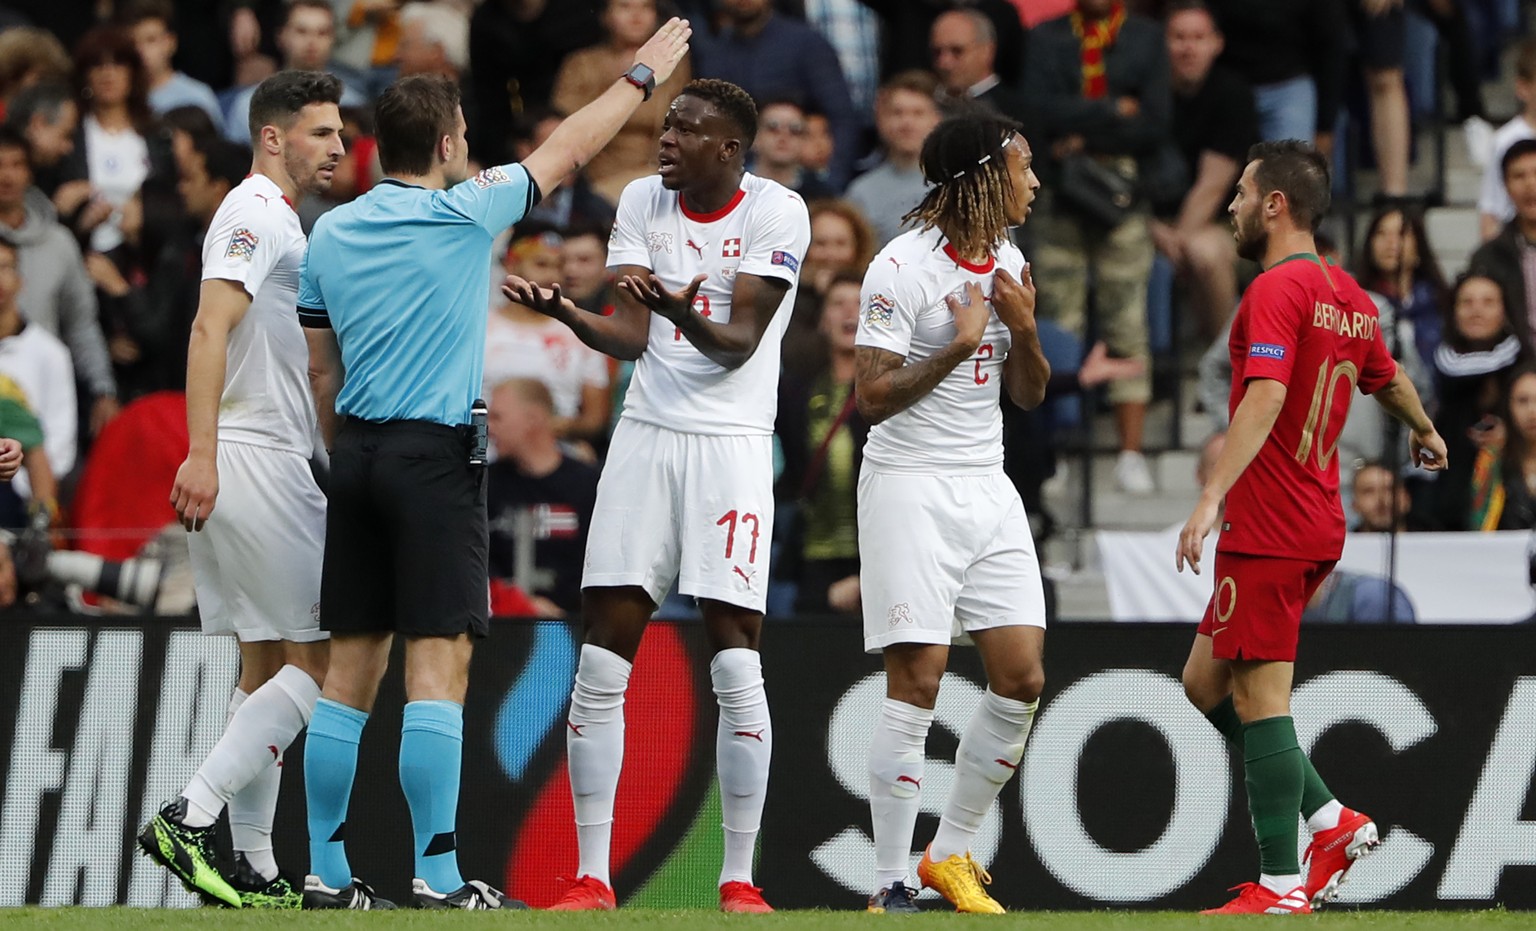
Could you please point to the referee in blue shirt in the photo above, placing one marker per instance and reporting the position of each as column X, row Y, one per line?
column 395, row 290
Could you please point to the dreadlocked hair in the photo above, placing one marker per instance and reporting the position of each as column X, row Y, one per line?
column 965, row 162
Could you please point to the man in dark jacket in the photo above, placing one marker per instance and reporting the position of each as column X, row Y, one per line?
column 1510, row 257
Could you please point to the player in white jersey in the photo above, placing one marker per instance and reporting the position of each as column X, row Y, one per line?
column 708, row 259
column 944, row 545
column 251, row 420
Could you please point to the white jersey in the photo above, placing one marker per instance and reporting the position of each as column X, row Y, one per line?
column 546, row 351
column 958, row 426
column 763, row 231
column 255, row 240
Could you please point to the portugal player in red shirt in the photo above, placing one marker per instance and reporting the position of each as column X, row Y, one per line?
column 1305, row 337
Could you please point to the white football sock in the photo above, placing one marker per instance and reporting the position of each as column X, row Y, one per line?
column 251, row 813
column 257, row 734
column 743, row 748
column 594, row 746
column 895, row 786
column 989, row 753
column 1326, row 817
column 1280, row 885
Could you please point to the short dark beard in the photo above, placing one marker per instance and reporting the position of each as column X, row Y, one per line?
column 1251, row 242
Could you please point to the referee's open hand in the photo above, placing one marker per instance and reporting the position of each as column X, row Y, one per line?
column 196, row 489
column 665, row 49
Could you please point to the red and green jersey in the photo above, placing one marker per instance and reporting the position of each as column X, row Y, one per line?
column 1312, row 328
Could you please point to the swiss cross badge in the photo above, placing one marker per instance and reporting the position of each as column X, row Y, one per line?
column 731, row 249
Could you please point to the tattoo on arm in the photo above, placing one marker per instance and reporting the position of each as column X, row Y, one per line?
column 887, row 385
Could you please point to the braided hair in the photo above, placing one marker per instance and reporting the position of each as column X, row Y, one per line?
column 964, row 158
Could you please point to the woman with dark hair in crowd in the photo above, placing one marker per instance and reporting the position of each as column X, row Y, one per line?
column 588, row 72
column 1504, row 473
column 117, row 145
column 1472, row 368
column 822, row 437
column 842, row 241
column 1397, row 261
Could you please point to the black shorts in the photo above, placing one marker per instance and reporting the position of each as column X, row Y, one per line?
column 405, row 533
column 1382, row 40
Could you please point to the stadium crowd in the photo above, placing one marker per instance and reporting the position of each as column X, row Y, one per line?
column 124, row 126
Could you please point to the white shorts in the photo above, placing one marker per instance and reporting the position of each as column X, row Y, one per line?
column 943, row 555
column 684, row 506
column 256, row 562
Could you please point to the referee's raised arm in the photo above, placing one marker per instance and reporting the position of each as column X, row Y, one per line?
column 587, row 130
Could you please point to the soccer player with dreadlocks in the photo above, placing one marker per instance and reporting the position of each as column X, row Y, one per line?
column 944, row 543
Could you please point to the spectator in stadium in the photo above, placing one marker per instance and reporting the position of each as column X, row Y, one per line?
column 1346, row 597
column 773, row 56
column 905, row 113
column 572, row 204
column 116, row 147
column 434, row 39
column 822, row 437
column 1494, row 206
column 817, row 154
column 1505, row 257
column 433, row 540
column 56, row 292
column 10, row 456
column 515, row 51
column 1380, row 28
column 1504, row 473
column 584, row 75
column 1214, row 123
column 841, row 240
column 908, row 29
column 152, row 24
column 38, row 365
column 1098, row 83
column 306, row 41
column 1473, row 364
column 367, row 36
column 1292, row 53
column 964, row 47
column 539, row 499
column 584, row 276
column 28, row 486
column 852, row 28
column 1397, row 262
column 520, row 342
column 28, row 56
column 777, row 153
column 47, row 115
column 1379, row 500
column 190, row 130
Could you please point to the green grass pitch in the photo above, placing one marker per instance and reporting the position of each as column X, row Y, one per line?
column 125, row 919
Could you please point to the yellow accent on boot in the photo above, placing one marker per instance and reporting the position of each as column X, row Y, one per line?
column 960, row 880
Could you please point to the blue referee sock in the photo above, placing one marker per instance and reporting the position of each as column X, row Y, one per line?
column 330, row 764
column 431, row 754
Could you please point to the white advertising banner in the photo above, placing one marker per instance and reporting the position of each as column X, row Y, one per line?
column 1450, row 578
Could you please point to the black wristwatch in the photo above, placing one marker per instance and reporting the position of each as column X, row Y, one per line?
column 642, row 77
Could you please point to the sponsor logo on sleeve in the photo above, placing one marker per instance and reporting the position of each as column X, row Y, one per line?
column 786, row 260
column 491, row 176
column 1266, row 351
column 879, row 310
column 242, row 244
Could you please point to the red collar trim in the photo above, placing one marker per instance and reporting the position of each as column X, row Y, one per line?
column 283, row 196
column 716, row 215
column 949, row 250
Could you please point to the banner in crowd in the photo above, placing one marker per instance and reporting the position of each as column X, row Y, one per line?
column 1448, row 578
column 1126, row 796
